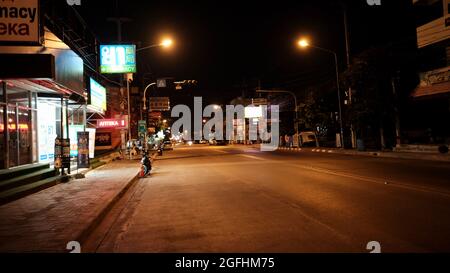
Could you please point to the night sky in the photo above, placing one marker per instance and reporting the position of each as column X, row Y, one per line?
column 226, row 45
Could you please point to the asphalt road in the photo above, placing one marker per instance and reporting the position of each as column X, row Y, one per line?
column 236, row 199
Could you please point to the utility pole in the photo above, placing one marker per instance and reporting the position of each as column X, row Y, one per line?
column 347, row 47
column 119, row 22
column 398, row 134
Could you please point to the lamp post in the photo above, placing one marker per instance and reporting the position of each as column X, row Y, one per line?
column 303, row 43
column 295, row 101
column 165, row 43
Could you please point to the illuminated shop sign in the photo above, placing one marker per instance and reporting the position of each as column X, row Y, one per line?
column 112, row 124
column 19, row 21
column 97, row 96
column 117, row 59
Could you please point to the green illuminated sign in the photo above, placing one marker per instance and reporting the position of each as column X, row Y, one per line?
column 117, row 59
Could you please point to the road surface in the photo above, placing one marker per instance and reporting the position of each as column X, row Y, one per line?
column 238, row 199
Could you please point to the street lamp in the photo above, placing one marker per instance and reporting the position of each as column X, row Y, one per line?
column 304, row 43
column 166, row 43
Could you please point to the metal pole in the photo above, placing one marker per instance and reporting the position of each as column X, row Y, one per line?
column 339, row 99
column 67, row 131
column 144, row 99
column 61, row 128
column 5, row 126
column 17, row 135
column 398, row 134
column 347, row 47
column 129, row 116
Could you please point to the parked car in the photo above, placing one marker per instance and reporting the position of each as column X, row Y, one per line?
column 308, row 139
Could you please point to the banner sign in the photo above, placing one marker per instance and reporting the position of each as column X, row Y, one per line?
column 83, row 150
column 19, row 21
column 62, row 153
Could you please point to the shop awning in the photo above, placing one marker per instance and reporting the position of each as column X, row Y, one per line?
column 45, row 86
column 431, row 90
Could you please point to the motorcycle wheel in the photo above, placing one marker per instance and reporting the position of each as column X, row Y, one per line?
column 144, row 172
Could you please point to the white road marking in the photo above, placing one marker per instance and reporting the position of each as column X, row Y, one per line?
column 253, row 157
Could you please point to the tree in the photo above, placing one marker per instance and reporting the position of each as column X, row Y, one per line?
column 316, row 109
column 372, row 99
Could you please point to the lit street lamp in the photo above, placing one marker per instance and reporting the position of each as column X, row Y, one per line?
column 304, row 43
column 166, row 43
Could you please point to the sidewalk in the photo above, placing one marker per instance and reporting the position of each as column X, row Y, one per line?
column 395, row 155
column 48, row 220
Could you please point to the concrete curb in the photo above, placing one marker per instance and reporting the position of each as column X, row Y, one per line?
column 86, row 232
column 392, row 155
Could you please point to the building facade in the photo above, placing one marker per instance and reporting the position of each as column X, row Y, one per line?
column 45, row 72
column 432, row 96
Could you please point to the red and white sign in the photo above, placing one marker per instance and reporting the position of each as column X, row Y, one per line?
column 111, row 124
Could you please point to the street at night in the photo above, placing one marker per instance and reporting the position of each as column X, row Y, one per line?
column 225, row 136
column 234, row 200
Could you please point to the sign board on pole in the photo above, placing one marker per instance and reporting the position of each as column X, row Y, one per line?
column 161, row 83
column 117, row 59
column 142, row 129
column 159, row 104
column 19, row 21
column 142, row 126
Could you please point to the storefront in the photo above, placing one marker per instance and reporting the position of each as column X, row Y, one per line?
column 39, row 85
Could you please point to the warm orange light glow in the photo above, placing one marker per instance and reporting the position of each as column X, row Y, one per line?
column 167, row 43
column 303, row 43
column 12, row 127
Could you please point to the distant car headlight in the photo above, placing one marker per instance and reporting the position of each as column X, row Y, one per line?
column 190, row 143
